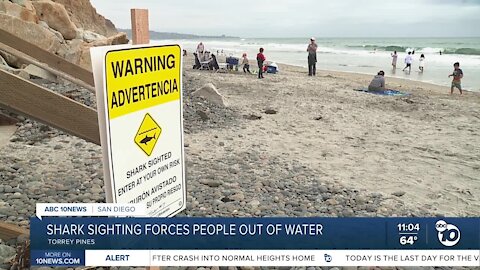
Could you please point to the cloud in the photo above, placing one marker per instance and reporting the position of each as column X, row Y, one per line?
column 287, row 18
column 455, row 2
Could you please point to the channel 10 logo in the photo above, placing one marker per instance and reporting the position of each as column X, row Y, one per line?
column 448, row 234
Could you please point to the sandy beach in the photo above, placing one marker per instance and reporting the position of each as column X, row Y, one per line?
column 423, row 148
column 322, row 149
column 287, row 145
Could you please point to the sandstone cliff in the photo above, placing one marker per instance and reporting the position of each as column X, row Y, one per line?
column 88, row 18
column 64, row 27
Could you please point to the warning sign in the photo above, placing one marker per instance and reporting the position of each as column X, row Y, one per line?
column 148, row 134
column 139, row 94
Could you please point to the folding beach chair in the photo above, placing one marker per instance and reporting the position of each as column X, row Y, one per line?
column 202, row 64
column 222, row 63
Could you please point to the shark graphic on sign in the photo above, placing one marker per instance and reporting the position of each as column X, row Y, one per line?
column 147, row 139
column 148, row 134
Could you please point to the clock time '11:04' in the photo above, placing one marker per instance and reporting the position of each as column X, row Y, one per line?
column 408, row 227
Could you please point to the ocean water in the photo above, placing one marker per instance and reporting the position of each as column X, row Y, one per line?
column 364, row 55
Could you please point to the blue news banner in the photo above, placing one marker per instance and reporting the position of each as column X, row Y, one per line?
column 62, row 241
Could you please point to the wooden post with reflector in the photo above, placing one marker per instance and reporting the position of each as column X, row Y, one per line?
column 141, row 35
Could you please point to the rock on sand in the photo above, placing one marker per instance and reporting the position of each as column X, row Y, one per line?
column 210, row 93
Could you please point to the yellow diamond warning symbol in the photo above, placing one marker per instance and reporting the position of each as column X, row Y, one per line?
column 148, row 134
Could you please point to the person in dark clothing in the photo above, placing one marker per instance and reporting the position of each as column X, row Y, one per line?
column 197, row 62
column 260, row 60
column 213, row 64
column 312, row 57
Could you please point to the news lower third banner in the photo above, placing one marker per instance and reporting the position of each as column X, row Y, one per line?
column 100, row 241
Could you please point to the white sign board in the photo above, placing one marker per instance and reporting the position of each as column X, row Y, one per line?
column 139, row 100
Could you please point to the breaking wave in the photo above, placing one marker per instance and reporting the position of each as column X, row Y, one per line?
column 391, row 48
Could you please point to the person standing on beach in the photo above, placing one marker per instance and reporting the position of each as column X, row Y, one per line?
column 457, row 78
column 394, row 59
column 200, row 50
column 421, row 63
column 312, row 57
column 408, row 62
column 260, row 60
column 245, row 63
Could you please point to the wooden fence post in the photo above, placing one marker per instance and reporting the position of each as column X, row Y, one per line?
column 46, row 57
column 141, row 35
column 36, row 102
column 140, row 29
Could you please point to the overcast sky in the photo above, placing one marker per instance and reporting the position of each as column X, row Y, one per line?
column 301, row 18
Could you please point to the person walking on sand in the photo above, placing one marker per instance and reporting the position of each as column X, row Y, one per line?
column 260, row 60
column 312, row 57
column 245, row 63
column 378, row 82
column 421, row 62
column 457, row 78
column 394, row 59
column 408, row 62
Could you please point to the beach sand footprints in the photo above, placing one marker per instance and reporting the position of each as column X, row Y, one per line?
column 362, row 140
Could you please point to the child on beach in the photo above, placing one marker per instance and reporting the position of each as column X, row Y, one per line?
column 394, row 59
column 378, row 82
column 421, row 62
column 260, row 59
column 408, row 62
column 457, row 78
column 246, row 65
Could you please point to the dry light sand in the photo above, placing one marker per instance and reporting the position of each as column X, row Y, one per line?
column 5, row 133
column 426, row 145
